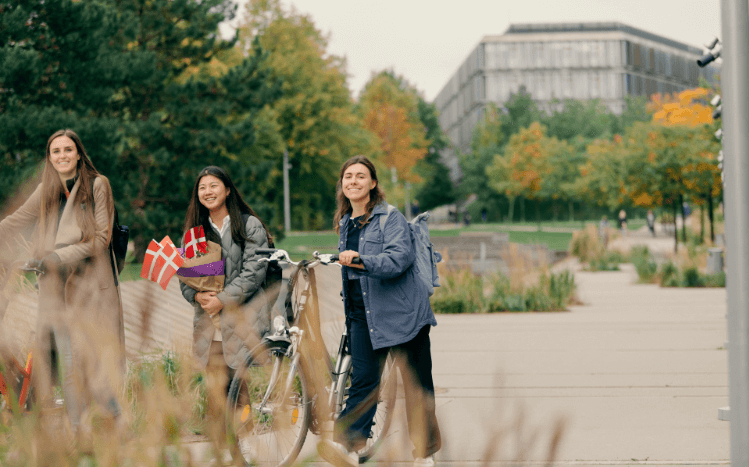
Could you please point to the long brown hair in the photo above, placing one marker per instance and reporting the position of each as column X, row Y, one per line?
column 53, row 189
column 376, row 195
column 197, row 214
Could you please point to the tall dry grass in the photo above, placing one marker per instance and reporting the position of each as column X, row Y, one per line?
column 168, row 406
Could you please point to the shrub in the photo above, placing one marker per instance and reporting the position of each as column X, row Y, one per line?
column 670, row 275
column 693, row 278
column 562, row 288
column 644, row 263
column 715, row 280
column 586, row 245
column 449, row 304
column 608, row 261
column 552, row 293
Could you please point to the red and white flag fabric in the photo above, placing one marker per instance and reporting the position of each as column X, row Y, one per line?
column 195, row 242
column 161, row 262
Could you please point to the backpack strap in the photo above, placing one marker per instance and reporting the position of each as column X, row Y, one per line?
column 384, row 218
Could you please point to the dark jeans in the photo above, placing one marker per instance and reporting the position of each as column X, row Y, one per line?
column 415, row 362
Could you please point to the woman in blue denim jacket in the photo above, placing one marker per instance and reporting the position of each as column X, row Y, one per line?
column 387, row 309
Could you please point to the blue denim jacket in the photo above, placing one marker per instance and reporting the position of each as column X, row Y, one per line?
column 395, row 299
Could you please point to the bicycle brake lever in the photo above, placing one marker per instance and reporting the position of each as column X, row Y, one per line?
column 325, row 258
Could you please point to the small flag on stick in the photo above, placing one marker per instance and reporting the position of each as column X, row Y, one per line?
column 161, row 262
column 195, row 242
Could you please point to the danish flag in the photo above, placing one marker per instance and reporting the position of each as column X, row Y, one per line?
column 195, row 242
column 161, row 262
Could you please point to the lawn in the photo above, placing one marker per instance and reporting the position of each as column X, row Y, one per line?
column 300, row 245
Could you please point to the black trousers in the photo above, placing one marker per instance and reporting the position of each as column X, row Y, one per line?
column 414, row 359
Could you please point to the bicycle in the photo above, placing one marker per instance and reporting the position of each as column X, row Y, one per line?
column 271, row 398
column 16, row 374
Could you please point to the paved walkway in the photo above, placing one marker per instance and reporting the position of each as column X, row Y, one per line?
column 636, row 374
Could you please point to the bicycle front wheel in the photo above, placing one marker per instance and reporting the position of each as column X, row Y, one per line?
column 269, row 407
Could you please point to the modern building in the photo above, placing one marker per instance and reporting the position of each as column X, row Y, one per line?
column 554, row 62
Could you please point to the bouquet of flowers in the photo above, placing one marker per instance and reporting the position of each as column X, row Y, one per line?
column 203, row 268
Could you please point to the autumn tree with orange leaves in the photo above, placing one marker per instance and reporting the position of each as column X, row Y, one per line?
column 698, row 172
column 526, row 167
column 657, row 163
column 389, row 108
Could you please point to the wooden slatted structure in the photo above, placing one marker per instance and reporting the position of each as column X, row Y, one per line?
column 157, row 320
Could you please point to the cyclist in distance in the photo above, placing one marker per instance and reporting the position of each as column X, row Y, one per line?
column 72, row 213
column 228, row 221
column 387, row 309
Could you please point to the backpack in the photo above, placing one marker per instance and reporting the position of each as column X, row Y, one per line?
column 426, row 257
column 273, row 275
column 120, row 237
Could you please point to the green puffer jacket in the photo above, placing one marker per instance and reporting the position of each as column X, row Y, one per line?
column 246, row 313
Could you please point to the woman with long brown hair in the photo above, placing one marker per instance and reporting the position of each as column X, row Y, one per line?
column 80, row 312
column 387, row 310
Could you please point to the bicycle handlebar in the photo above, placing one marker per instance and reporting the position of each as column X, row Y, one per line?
column 277, row 254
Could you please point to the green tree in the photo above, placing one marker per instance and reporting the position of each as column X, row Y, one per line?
column 437, row 187
column 115, row 72
column 57, row 70
column 525, row 168
column 586, row 119
column 314, row 117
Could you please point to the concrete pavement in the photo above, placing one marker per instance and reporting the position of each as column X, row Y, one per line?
column 635, row 376
column 637, row 373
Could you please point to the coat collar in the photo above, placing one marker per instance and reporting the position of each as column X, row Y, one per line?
column 68, row 231
column 380, row 208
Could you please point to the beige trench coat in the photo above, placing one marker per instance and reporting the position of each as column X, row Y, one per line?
column 93, row 308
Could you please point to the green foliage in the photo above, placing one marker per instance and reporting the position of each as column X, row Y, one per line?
column 449, row 304
column 585, row 119
column 670, row 276
column 464, row 292
column 693, row 278
column 314, row 117
column 166, row 371
column 715, row 280
column 609, row 261
column 437, row 187
column 644, row 263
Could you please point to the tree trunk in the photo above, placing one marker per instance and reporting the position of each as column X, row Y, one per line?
column 522, row 209
column 538, row 213
column 511, row 210
column 676, row 230
column 555, row 208
column 710, row 217
column 572, row 211
column 702, row 224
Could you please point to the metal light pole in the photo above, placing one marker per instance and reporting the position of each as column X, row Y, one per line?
column 734, row 79
column 286, row 195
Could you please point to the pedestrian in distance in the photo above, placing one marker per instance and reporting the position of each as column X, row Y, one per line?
column 623, row 222
column 242, row 310
column 387, row 309
column 650, row 217
column 80, row 320
column 415, row 210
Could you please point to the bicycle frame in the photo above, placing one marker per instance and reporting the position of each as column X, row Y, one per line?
column 25, row 372
column 305, row 328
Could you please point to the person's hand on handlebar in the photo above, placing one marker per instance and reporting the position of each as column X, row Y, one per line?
column 346, row 258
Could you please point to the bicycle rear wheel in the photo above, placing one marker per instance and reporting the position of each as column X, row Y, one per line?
column 385, row 406
column 269, row 407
